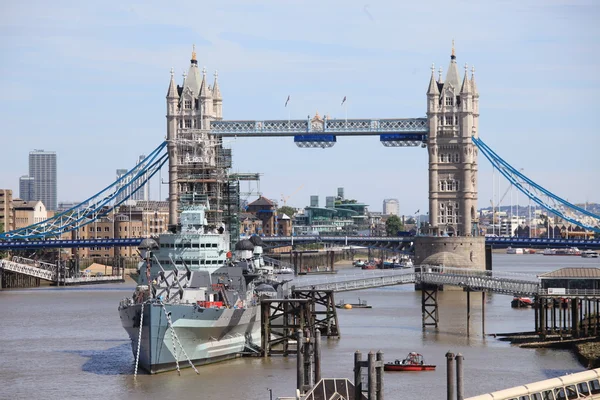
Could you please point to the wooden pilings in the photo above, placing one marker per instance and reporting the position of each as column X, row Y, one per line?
column 564, row 315
column 14, row 280
column 323, row 314
column 374, row 385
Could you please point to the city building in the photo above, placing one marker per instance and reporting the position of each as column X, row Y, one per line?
column 42, row 168
column 284, row 225
column 508, row 226
column 391, row 207
column 453, row 117
column 28, row 212
column 66, row 205
column 153, row 215
column 26, row 188
column 340, row 217
column 265, row 211
column 135, row 191
column 6, row 211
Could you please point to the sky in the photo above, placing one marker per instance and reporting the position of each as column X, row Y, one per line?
column 89, row 79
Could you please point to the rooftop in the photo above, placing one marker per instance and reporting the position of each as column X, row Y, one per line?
column 573, row 272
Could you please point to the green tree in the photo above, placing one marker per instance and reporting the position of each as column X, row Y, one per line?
column 393, row 225
column 287, row 210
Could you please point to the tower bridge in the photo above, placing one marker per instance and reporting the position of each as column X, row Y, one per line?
column 199, row 164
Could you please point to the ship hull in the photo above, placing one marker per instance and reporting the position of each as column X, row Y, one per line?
column 207, row 335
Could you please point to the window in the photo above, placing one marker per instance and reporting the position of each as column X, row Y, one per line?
column 595, row 386
column 536, row 396
column 449, row 101
column 106, row 229
column 443, row 186
column 572, row 392
column 560, row 393
column 449, row 120
column 583, row 388
column 188, row 104
column 456, row 158
column 188, row 123
column 547, row 395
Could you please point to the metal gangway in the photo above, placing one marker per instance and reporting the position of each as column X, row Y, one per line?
column 49, row 272
column 35, row 268
column 473, row 280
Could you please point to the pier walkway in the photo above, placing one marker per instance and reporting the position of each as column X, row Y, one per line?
column 473, row 280
column 50, row 272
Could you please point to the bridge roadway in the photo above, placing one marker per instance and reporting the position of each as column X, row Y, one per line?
column 48, row 272
column 383, row 242
column 513, row 284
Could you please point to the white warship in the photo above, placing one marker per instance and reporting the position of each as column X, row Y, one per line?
column 196, row 302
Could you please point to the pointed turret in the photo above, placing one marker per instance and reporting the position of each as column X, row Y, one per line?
column 433, row 86
column 172, row 92
column 216, row 89
column 473, row 84
column 192, row 80
column 466, row 86
column 204, row 89
column 452, row 77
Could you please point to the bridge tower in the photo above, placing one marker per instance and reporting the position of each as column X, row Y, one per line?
column 453, row 116
column 197, row 160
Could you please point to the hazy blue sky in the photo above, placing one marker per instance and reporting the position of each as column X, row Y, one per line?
column 90, row 82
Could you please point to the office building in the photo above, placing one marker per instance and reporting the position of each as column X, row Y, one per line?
column 42, row 168
column 6, row 210
column 391, row 207
column 26, row 188
column 133, row 191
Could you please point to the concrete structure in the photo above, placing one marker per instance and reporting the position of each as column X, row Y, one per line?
column 314, row 201
column 6, row 210
column 453, row 116
column 28, row 212
column 26, row 188
column 458, row 252
column 42, row 168
column 391, row 207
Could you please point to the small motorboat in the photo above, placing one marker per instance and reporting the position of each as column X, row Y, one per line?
column 412, row 362
column 521, row 302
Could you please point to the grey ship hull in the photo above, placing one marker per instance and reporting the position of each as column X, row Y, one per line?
column 207, row 335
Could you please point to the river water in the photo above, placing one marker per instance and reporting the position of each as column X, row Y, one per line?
column 68, row 343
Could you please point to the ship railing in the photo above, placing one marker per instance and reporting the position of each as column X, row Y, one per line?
column 568, row 292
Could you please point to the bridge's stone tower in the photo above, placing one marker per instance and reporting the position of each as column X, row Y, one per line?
column 190, row 108
column 453, row 115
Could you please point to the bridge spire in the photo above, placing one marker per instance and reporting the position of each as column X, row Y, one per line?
column 203, row 85
column 172, row 92
column 433, row 87
column 473, row 84
column 216, row 89
column 466, row 87
column 452, row 77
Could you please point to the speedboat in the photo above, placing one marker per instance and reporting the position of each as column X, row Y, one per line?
column 412, row 362
column 284, row 270
column 521, row 302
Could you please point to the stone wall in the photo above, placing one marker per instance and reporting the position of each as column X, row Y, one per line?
column 470, row 249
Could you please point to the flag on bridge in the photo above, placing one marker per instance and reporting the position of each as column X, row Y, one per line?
column 343, row 101
column 287, row 101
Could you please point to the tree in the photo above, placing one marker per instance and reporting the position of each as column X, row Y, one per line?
column 287, row 210
column 411, row 221
column 393, row 225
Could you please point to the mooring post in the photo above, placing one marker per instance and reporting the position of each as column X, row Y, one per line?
column 266, row 331
column 483, row 314
column 449, row 376
column 308, row 360
column 372, row 377
column 300, row 361
column 460, row 390
column 357, row 376
column 468, row 311
column 536, row 306
column 317, row 356
column 380, row 375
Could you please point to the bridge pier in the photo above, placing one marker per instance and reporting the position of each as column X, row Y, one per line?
column 429, row 305
column 325, row 319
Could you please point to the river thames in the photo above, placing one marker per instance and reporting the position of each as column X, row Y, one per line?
column 68, row 343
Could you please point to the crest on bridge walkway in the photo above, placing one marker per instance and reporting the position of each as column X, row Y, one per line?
column 317, row 124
